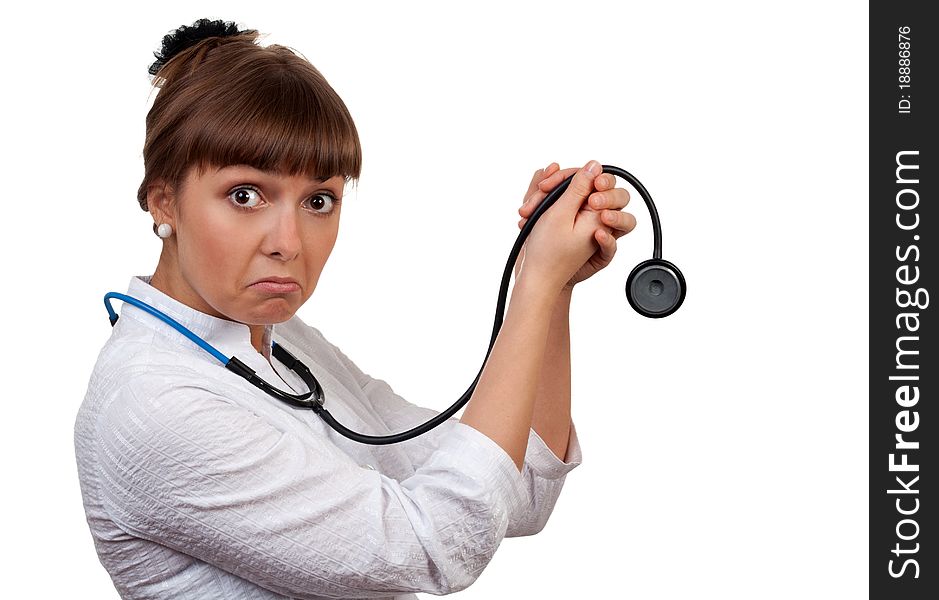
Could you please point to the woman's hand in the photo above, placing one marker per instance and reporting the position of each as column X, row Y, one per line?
column 603, row 205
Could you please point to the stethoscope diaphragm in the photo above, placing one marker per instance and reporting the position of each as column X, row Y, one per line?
column 655, row 288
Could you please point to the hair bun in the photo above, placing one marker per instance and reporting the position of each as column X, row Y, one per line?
column 187, row 36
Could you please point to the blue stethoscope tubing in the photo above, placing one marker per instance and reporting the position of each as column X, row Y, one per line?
column 657, row 275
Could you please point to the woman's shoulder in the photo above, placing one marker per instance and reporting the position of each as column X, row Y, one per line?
column 130, row 351
column 136, row 364
column 137, row 360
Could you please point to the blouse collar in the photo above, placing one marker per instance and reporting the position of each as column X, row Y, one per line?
column 221, row 333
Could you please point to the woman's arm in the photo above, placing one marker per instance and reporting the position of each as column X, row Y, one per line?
column 552, row 414
column 502, row 405
column 399, row 415
column 543, row 472
column 207, row 474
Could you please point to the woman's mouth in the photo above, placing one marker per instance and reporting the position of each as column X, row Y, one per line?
column 272, row 287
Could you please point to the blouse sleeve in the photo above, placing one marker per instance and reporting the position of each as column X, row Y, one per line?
column 543, row 472
column 191, row 469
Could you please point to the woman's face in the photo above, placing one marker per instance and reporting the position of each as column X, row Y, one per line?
column 235, row 226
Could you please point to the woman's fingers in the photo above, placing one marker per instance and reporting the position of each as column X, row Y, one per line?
column 622, row 222
column 535, row 178
column 606, row 196
column 533, row 189
column 539, row 175
column 616, row 198
column 607, row 244
column 555, row 178
column 579, row 188
column 610, row 199
column 604, row 182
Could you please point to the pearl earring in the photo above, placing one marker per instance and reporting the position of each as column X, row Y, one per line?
column 165, row 230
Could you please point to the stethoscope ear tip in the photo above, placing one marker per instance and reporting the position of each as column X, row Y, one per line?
column 655, row 288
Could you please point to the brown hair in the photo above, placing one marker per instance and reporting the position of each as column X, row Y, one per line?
column 227, row 101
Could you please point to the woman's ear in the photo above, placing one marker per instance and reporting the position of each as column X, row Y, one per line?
column 161, row 204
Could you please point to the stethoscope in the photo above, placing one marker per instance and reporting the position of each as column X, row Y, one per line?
column 655, row 288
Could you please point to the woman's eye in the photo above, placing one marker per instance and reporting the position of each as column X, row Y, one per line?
column 248, row 198
column 244, row 196
column 323, row 200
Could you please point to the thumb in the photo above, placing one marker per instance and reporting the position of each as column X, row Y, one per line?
column 580, row 187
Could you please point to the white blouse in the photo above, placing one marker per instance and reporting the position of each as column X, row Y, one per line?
column 196, row 484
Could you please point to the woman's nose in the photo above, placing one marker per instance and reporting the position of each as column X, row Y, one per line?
column 283, row 238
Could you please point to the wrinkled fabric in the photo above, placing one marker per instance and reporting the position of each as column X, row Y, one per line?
column 196, row 484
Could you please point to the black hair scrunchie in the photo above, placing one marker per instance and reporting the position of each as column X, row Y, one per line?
column 186, row 36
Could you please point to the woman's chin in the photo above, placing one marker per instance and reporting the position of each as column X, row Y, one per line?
column 272, row 310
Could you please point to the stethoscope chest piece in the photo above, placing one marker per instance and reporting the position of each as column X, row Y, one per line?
column 655, row 288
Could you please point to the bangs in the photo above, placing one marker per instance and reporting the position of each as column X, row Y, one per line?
column 273, row 121
column 232, row 102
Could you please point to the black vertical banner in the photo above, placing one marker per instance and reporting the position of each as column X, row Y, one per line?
column 904, row 366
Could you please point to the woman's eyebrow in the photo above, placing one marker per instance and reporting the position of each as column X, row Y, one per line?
column 269, row 173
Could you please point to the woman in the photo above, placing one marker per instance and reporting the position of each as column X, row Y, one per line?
column 197, row 484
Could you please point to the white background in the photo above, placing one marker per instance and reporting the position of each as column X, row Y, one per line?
column 725, row 447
